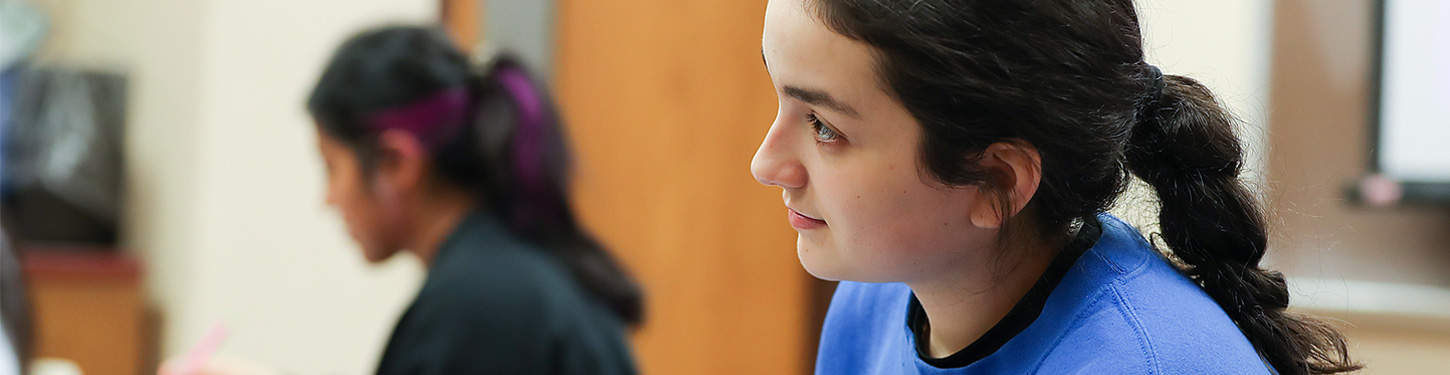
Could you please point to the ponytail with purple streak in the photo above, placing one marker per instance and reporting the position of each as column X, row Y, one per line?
column 532, row 139
column 491, row 129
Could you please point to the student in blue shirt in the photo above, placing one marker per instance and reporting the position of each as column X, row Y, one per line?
column 951, row 161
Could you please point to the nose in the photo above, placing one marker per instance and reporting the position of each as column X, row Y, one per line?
column 777, row 162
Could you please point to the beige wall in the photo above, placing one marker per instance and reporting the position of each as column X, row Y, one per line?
column 225, row 201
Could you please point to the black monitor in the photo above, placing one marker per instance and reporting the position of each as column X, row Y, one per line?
column 1410, row 104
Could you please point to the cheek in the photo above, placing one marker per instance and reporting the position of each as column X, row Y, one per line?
column 364, row 219
column 894, row 215
column 890, row 225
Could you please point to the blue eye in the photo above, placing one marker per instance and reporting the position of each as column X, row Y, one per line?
column 823, row 133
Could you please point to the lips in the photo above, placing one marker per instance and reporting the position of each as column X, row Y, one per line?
column 803, row 222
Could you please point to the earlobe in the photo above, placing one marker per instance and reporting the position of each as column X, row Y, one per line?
column 986, row 213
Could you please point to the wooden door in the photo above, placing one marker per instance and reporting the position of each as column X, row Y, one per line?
column 462, row 20
column 667, row 101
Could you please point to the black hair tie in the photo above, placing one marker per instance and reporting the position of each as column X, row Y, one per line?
column 1152, row 97
column 1147, row 132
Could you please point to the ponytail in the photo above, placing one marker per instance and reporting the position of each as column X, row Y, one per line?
column 525, row 179
column 1184, row 146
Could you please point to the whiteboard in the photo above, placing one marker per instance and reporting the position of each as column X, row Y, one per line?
column 1414, row 101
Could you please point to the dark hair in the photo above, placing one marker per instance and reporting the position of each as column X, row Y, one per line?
column 491, row 129
column 1068, row 77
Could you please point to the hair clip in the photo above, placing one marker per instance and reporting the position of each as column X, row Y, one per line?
column 485, row 57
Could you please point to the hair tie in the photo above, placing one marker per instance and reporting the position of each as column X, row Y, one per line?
column 1155, row 90
column 485, row 58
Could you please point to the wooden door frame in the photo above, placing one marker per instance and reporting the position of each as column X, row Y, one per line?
column 462, row 20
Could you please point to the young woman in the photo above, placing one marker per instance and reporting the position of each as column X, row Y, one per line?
column 465, row 166
column 953, row 159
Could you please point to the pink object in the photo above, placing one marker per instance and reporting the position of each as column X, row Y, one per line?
column 1381, row 191
column 196, row 359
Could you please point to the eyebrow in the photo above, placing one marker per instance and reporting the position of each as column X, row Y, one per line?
column 820, row 98
column 812, row 96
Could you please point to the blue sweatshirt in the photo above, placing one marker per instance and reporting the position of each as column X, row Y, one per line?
column 1118, row 308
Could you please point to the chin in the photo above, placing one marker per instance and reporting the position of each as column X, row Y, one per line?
column 376, row 255
column 375, row 259
column 819, row 264
column 836, row 264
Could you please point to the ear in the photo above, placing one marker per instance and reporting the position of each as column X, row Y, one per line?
column 402, row 163
column 1015, row 170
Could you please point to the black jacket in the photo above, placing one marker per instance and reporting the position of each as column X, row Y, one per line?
column 14, row 302
column 494, row 304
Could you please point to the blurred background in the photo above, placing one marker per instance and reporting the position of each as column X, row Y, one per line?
column 162, row 176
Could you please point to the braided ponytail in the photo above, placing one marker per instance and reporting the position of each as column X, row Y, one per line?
column 1184, row 146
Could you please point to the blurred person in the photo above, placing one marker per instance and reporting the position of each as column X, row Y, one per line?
column 952, row 162
column 464, row 164
column 15, row 315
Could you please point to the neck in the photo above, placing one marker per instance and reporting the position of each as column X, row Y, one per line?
column 962, row 306
column 437, row 221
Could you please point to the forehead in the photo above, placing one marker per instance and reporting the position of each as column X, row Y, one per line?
column 331, row 147
column 324, row 139
column 799, row 50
